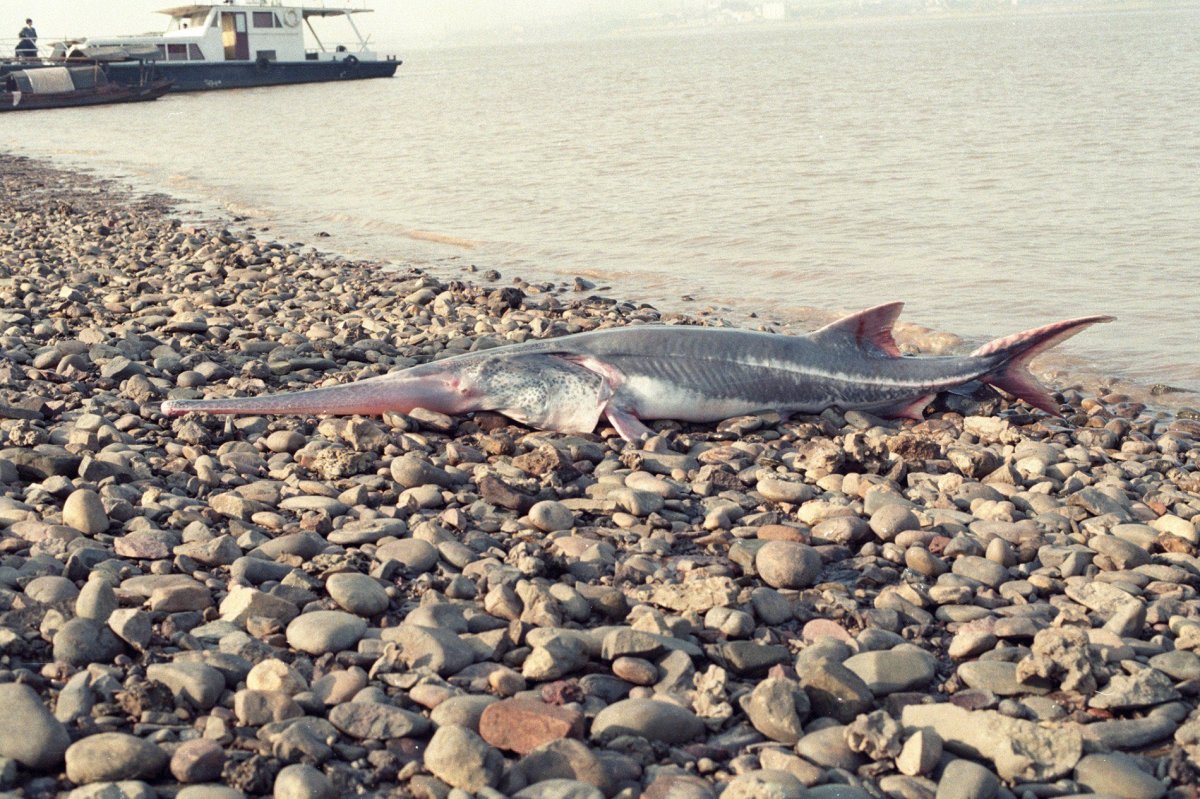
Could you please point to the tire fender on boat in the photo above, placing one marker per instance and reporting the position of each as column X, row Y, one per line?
column 350, row 61
column 262, row 63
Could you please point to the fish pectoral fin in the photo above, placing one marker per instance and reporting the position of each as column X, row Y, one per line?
column 908, row 409
column 869, row 329
column 628, row 426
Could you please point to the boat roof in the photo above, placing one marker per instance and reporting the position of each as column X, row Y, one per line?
column 307, row 11
column 108, row 52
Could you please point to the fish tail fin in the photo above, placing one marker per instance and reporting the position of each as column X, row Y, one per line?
column 1012, row 355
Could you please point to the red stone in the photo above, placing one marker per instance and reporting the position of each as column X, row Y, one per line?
column 817, row 629
column 522, row 725
column 781, row 532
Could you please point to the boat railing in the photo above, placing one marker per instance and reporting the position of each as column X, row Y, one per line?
column 8, row 49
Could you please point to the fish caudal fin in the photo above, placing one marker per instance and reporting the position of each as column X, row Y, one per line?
column 1013, row 354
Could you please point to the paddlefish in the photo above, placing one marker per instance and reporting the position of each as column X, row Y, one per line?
column 631, row 375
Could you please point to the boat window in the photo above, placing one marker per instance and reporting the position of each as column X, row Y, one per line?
column 264, row 55
column 266, row 19
column 194, row 53
column 177, row 52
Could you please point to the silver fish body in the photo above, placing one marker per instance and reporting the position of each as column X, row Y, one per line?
column 696, row 374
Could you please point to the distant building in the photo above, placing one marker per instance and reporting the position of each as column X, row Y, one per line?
column 774, row 11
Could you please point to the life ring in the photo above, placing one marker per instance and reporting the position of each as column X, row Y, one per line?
column 291, row 18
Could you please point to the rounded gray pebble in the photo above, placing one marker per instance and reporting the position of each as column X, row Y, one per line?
column 85, row 512
column 648, row 718
column 1118, row 774
column 302, row 781
column 356, row 593
column 550, row 516
column 111, row 756
column 324, row 631
column 413, row 554
column 459, row 757
column 559, row 789
column 83, row 641
column 29, row 734
column 765, row 784
column 787, row 564
column 966, row 779
column 96, row 600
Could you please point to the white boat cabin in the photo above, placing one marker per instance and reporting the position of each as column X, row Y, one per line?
column 247, row 31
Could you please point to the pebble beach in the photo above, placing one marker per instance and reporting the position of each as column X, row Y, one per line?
column 987, row 604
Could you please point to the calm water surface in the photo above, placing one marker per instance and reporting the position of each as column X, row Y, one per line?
column 996, row 173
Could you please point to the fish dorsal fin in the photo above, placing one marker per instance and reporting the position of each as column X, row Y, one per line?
column 870, row 329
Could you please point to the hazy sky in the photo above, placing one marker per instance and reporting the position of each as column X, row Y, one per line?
column 395, row 24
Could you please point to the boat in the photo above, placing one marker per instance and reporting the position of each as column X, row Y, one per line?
column 235, row 45
column 73, row 86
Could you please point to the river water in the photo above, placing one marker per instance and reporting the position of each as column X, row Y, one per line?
column 996, row 172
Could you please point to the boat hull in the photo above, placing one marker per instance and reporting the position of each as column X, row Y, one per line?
column 195, row 77
column 104, row 95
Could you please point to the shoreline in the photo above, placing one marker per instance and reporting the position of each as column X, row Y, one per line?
column 1059, row 368
column 823, row 606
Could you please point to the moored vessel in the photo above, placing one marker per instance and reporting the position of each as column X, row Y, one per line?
column 73, row 86
column 242, row 44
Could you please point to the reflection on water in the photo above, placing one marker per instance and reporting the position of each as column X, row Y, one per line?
column 994, row 172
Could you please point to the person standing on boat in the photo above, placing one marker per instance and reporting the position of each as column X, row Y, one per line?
column 27, row 44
